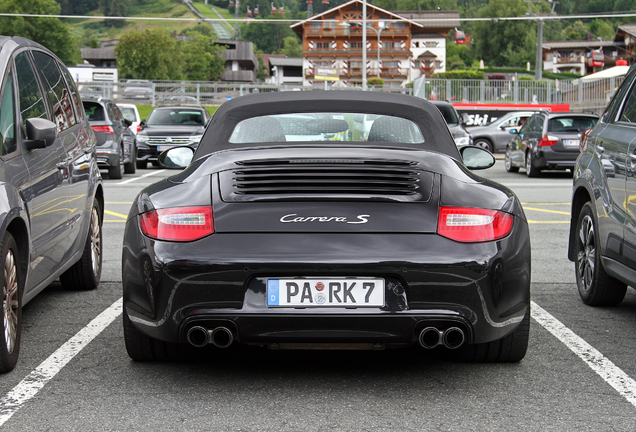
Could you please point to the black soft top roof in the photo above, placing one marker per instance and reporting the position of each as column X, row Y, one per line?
column 423, row 113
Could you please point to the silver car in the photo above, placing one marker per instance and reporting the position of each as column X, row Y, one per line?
column 495, row 136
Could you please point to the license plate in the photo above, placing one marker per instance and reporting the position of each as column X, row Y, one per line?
column 331, row 292
column 165, row 147
column 572, row 143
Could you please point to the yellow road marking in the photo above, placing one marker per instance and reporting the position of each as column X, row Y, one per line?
column 547, row 211
column 116, row 214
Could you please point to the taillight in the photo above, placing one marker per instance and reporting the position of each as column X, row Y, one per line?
column 472, row 225
column 104, row 129
column 178, row 224
column 547, row 140
column 138, row 128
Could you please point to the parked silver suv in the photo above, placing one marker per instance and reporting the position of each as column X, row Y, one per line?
column 51, row 190
column 603, row 225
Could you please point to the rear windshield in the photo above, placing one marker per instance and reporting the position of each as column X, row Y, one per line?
column 449, row 113
column 326, row 127
column 571, row 124
column 129, row 114
column 94, row 111
column 176, row 116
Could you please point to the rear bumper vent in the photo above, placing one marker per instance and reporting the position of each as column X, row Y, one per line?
column 320, row 179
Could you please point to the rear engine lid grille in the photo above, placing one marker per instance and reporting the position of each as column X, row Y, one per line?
column 320, row 179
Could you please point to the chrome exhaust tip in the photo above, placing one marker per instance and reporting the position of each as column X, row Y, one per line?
column 222, row 337
column 430, row 337
column 198, row 336
column 453, row 338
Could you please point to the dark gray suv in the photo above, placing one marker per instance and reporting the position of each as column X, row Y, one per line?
column 603, row 225
column 50, row 186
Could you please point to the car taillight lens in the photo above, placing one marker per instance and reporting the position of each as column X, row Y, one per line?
column 138, row 128
column 178, row 224
column 104, row 129
column 473, row 225
column 547, row 140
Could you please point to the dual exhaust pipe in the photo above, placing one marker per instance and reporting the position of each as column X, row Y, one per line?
column 220, row 337
column 451, row 338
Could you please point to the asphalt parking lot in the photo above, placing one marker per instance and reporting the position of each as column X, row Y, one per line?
column 74, row 373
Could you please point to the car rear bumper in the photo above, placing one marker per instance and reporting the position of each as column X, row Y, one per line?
column 550, row 159
column 429, row 280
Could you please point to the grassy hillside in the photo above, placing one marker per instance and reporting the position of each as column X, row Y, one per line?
column 89, row 32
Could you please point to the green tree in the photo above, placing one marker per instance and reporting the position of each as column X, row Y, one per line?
column 50, row 32
column 148, row 54
column 292, row 47
column 115, row 8
column 267, row 37
column 505, row 43
column 201, row 59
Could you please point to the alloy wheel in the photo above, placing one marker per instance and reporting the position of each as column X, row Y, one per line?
column 586, row 257
column 96, row 240
column 10, row 302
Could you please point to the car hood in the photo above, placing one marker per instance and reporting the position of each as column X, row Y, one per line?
column 172, row 130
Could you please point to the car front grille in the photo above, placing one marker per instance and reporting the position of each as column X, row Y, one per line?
column 162, row 140
column 392, row 180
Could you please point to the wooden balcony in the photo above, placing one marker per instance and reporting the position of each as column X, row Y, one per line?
column 341, row 31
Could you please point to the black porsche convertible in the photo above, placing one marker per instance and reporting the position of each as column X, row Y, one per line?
column 327, row 220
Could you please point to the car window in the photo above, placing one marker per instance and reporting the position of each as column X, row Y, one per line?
column 629, row 110
column 128, row 113
column 94, row 111
column 30, row 96
column 59, row 97
column 177, row 116
column 537, row 124
column 117, row 112
column 449, row 113
column 74, row 93
column 7, row 118
column 326, row 127
column 570, row 124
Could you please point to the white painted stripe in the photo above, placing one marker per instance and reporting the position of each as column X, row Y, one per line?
column 538, row 184
column 600, row 364
column 33, row 383
column 140, row 177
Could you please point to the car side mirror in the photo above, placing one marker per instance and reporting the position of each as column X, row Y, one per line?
column 40, row 133
column 513, row 131
column 143, row 124
column 476, row 158
column 128, row 122
column 176, row 157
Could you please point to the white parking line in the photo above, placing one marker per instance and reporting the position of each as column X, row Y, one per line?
column 32, row 383
column 140, row 177
column 600, row 364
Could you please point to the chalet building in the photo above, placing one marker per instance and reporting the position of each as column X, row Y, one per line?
column 625, row 41
column 398, row 49
column 581, row 57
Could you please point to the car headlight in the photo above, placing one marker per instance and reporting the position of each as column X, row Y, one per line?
column 195, row 139
column 462, row 141
column 142, row 138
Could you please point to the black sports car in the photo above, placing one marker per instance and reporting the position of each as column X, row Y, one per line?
column 327, row 220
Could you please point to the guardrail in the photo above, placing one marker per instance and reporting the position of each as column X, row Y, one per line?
column 579, row 93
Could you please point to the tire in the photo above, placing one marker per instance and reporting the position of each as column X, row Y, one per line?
column 508, row 163
column 87, row 272
column 596, row 287
column 141, row 164
column 141, row 347
column 509, row 349
column 531, row 171
column 12, row 287
column 131, row 167
column 117, row 172
column 484, row 143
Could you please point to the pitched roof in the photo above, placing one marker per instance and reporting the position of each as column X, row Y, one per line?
column 433, row 19
column 330, row 11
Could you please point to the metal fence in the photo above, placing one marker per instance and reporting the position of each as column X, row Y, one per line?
column 578, row 93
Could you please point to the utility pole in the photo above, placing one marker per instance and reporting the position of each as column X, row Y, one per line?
column 538, row 64
column 538, row 68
